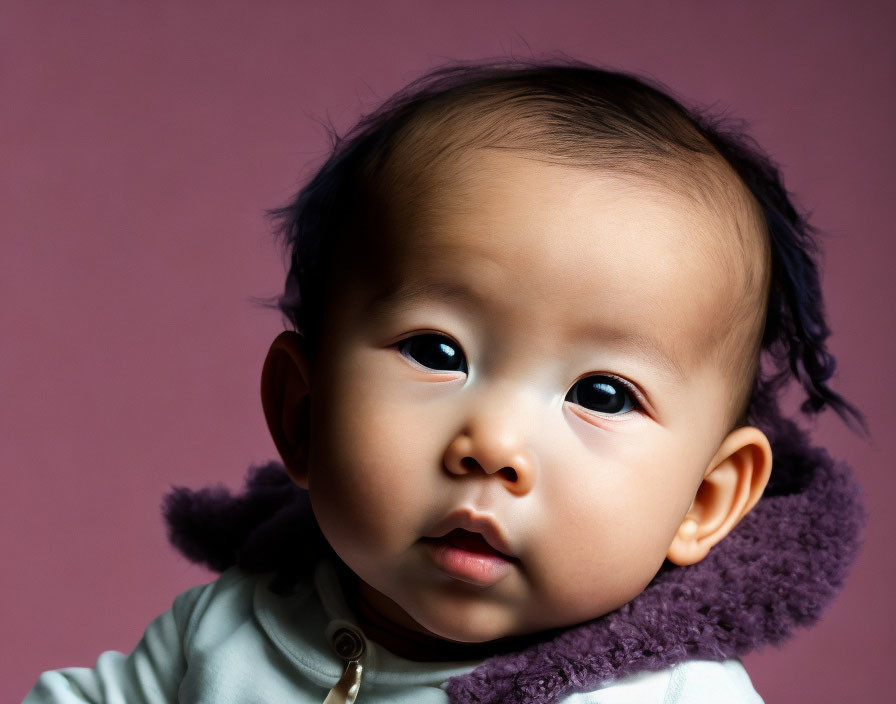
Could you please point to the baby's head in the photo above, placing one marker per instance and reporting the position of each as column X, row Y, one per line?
column 532, row 302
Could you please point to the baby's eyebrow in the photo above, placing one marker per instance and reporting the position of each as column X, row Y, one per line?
column 437, row 289
column 642, row 345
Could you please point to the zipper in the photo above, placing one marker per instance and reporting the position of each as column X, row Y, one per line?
column 348, row 644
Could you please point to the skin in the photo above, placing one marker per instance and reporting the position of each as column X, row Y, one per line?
column 553, row 274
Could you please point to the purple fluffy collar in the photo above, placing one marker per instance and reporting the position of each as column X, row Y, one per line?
column 777, row 570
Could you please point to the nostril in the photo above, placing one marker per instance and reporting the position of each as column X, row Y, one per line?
column 469, row 464
column 510, row 473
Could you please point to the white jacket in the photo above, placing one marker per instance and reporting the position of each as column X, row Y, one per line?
column 234, row 641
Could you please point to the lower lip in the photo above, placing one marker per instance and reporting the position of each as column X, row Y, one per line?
column 466, row 566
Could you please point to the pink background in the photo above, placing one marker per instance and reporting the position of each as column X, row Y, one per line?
column 141, row 143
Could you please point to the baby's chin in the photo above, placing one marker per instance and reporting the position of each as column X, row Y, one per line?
column 451, row 640
column 440, row 623
column 470, row 630
column 471, row 625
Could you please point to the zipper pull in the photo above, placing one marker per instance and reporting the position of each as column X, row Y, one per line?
column 346, row 689
column 348, row 645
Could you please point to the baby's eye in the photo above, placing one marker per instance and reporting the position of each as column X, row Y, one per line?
column 434, row 352
column 603, row 394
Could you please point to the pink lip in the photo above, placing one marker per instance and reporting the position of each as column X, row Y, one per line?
column 470, row 547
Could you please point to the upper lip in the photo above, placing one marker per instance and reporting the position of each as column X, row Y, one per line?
column 470, row 519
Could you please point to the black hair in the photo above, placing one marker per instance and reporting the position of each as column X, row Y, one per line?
column 639, row 125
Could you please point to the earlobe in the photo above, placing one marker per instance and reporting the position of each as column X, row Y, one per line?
column 285, row 387
column 732, row 484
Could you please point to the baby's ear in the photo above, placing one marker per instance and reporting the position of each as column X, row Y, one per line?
column 285, row 383
column 732, row 484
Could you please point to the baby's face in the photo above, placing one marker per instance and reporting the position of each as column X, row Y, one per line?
column 511, row 418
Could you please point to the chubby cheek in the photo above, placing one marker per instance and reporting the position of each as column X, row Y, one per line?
column 611, row 510
column 599, row 561
column 368, row 478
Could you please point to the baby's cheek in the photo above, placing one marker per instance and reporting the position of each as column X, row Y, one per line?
column 363, row 478
column 600, row 555
column 587, row 586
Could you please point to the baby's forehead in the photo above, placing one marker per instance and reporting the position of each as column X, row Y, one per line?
column 488, row 193
column 727, row 226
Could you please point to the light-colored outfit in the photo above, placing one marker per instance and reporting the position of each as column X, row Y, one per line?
column 234, row 641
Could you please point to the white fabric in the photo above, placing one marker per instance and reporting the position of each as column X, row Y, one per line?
column 692, row 682
column 235, row 641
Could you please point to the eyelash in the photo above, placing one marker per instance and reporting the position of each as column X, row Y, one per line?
column 414, row 348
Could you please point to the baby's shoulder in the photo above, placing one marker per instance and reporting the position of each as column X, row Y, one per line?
column 690, row 682
column 224, row 605
column 232, row 591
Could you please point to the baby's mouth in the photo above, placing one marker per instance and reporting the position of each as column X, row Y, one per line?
column 468, row 557
column 469, row 541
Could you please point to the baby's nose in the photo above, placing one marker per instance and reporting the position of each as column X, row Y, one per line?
column 488, row 446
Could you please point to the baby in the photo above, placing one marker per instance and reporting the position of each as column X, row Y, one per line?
column 542, row 314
